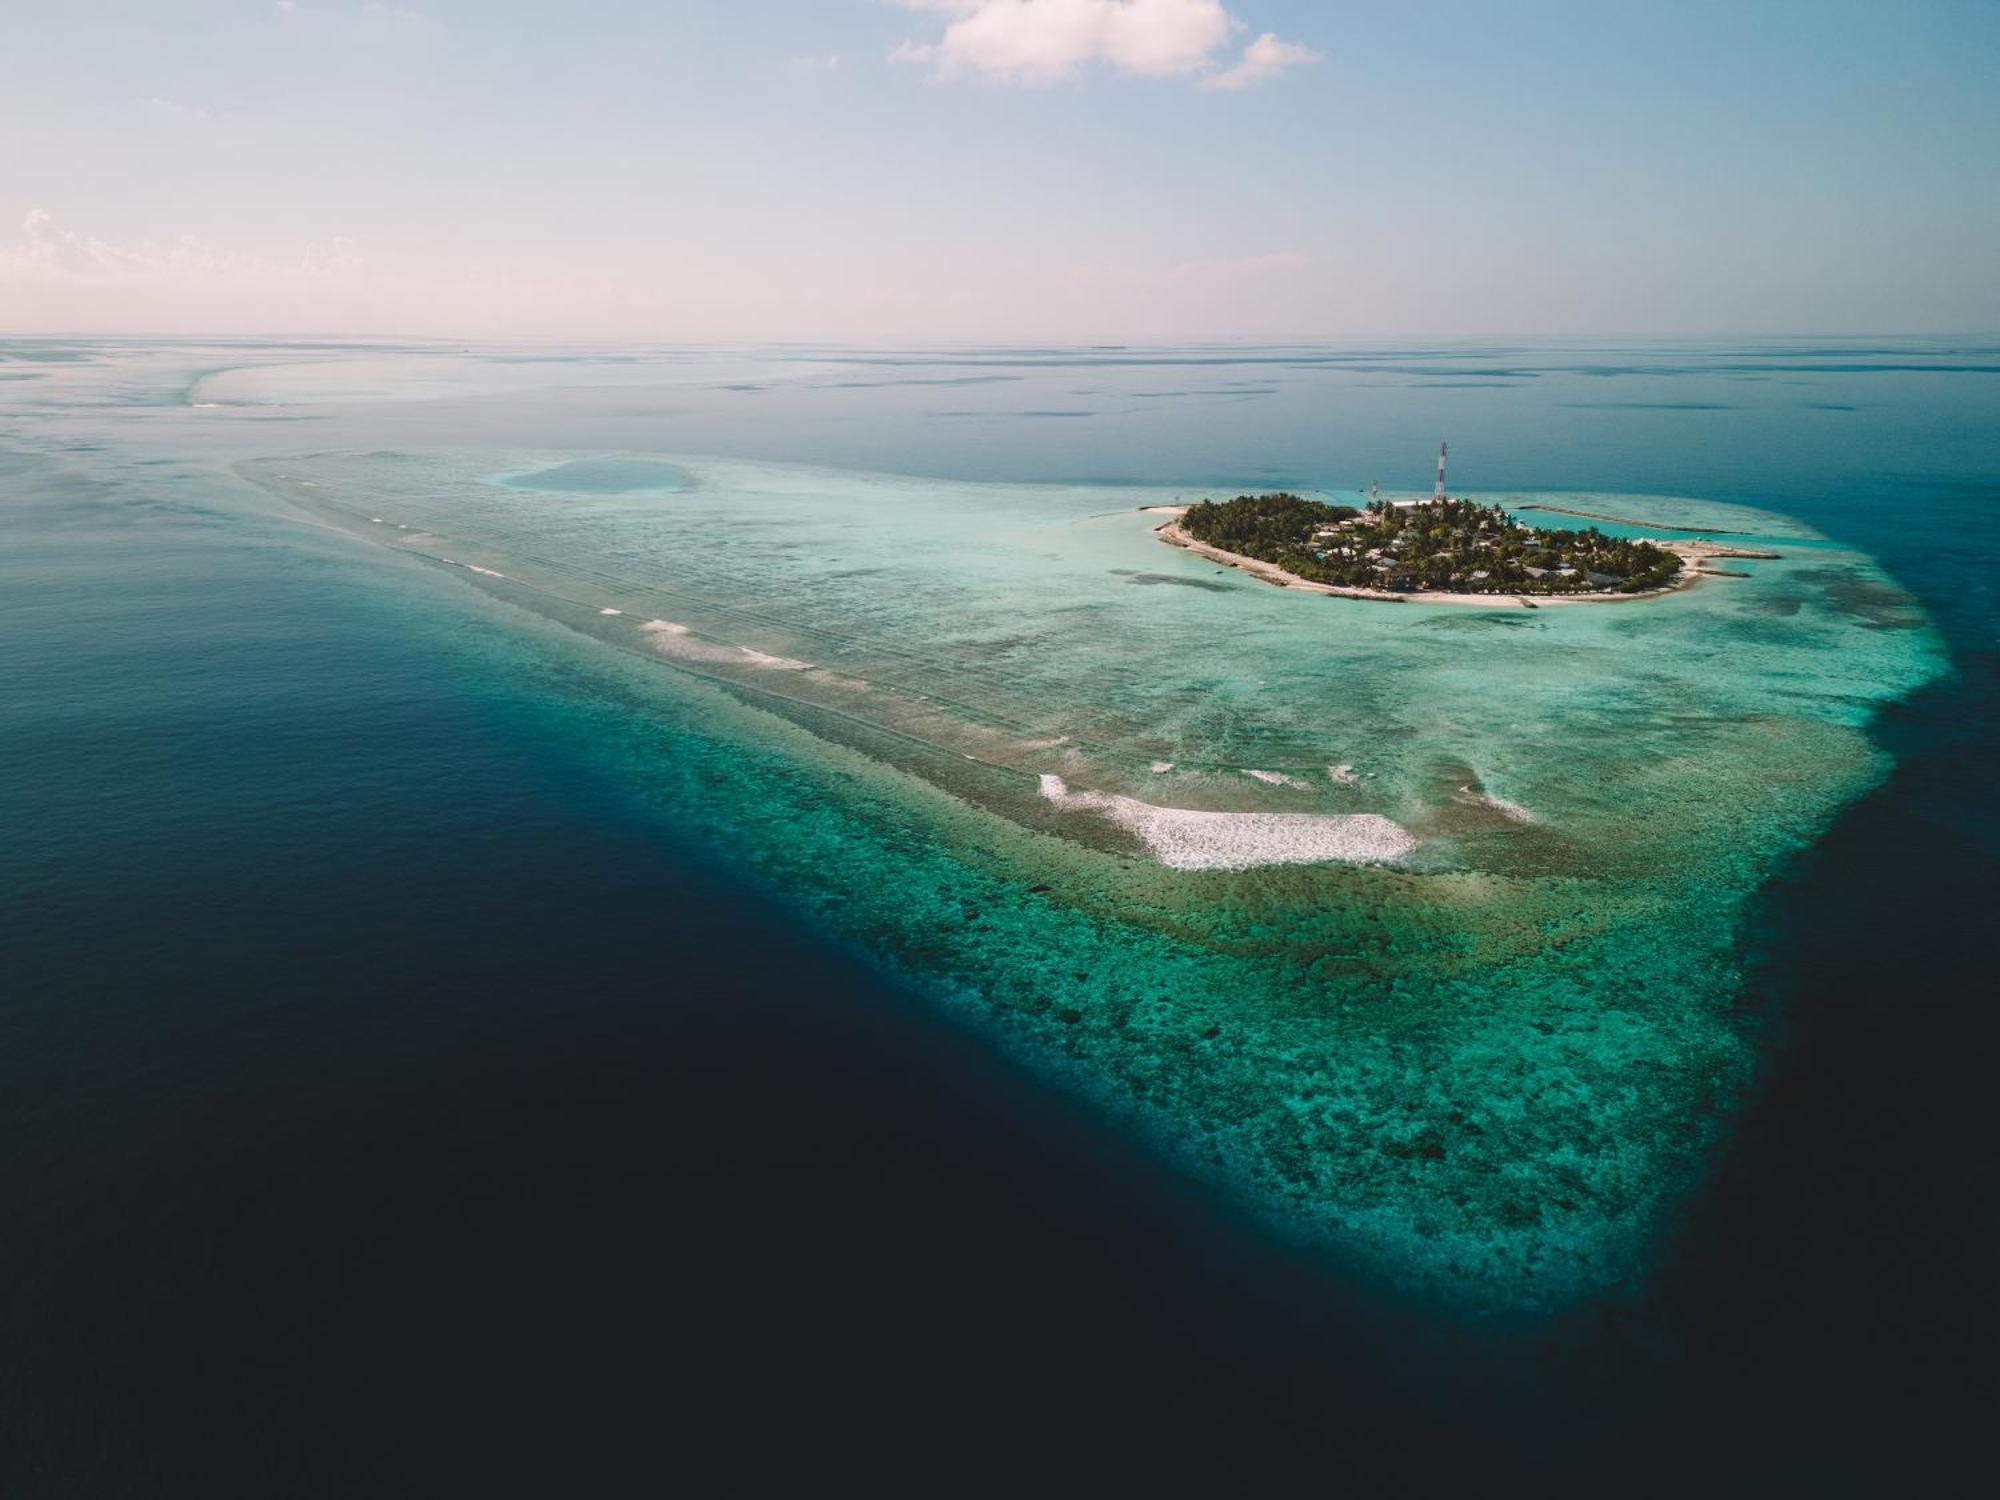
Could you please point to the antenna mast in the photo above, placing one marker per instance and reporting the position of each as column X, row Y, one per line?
column 1439, row 495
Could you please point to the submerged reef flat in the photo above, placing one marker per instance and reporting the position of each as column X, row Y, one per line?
column 1416, row 929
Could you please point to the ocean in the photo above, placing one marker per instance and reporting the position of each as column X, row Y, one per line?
column 578, row 916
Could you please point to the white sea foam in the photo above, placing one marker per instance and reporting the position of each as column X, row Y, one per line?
column 487, row 572
column 682, row 644
column 1183, row 839
column 611, row 611
column 826, row 678
column 1279, row 778
column 1510, row 810
column 678, row 641
column 1344, row 775
column 1161, row 767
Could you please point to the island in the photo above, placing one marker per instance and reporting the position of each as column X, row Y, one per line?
column 1442, row 549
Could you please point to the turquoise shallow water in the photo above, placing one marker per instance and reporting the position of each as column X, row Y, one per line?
column 1482, row 1065
column 416, row 980
column 595, row 476
column 1480, row 1058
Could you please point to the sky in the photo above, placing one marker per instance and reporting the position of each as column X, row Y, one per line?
column 998, row 170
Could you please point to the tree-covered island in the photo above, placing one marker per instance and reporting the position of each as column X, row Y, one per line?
column 1438, row 546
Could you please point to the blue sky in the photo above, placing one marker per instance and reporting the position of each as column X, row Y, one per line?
column 998, row 169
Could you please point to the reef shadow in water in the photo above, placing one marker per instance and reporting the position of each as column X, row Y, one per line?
column 602, row 476
column 872, row 385
column 1169, row 578
column 1498, row 619
column 1019, row 415
column 1878, row 605
column 1649, row 406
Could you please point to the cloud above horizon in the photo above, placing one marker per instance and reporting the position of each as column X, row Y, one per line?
column 56, row 278
column 1263, row 59
column 1039, row 42
column 59, row 279
column 48, row 251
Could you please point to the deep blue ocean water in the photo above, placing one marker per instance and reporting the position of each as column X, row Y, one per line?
column 392, row 1107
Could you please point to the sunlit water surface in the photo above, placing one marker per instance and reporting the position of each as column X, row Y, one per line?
column 889, row 633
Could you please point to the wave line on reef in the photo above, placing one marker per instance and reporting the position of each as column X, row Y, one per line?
column 1181, row 839
column 936, row 681
column 1512, row 811
column 657, row 592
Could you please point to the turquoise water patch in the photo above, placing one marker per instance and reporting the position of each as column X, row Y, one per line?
column 1485, row 1051
column 602, row 476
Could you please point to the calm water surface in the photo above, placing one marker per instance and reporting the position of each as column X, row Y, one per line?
column 396, row 1099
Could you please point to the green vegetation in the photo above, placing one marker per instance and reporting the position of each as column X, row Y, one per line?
column 1438, row 545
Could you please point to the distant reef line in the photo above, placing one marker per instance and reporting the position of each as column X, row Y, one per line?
column 1597, row 515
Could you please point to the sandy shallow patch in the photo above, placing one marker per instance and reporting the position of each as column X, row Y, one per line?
column 1182, row 839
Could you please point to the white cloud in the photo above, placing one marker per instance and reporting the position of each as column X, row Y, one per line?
column 1264, row 58
column 807, row 67
column 1178, row 274
column 171, row 108
column 49, row 252
column 1044, row 41
column 372, row 21
column 55, row 279
column 70, row 276
column 378, row 22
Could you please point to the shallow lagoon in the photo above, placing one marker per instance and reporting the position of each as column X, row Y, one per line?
column 1482, row 1066
column 376, row 1032
column 600, row 476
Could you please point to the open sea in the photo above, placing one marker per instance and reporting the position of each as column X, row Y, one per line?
column 613, row 921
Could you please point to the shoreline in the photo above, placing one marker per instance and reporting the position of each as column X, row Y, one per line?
column 1691, row 554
